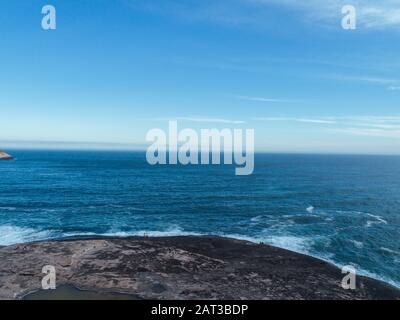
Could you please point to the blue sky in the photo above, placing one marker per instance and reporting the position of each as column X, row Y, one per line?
column 115, row 69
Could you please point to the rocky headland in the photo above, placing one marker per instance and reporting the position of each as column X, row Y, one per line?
column 179, row 268
column 5, row 156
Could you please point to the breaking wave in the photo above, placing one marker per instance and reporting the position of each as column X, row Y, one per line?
column 378, row 220
column 10, row 235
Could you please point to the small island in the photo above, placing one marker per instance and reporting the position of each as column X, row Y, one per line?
column 5, row 156
column 203, row 267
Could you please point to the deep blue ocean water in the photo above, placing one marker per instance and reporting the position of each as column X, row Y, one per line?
column 344, row 209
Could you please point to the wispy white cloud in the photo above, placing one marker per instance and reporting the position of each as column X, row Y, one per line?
column 368, row 132
column 371, row 126
column 303, row 120
column 371, row 120
column 381, row 15
column 202, row 120
column 366, row 79
column 263, row 99
column 376, row 14
column 394, row 88
column 320, row 121
column 371, row 14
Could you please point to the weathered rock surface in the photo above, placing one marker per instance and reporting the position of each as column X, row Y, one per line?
column 179, row 268
column 5, row 156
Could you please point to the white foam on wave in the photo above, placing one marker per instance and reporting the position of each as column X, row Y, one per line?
column 153, row 233
column 297, row 244
column 357, row 244
column 10, row 235
column 79, row 234
column 366, row 273
column 256, row 219
column 310, row 209
column 378, row 220
column 169, row 232
column 390, row 251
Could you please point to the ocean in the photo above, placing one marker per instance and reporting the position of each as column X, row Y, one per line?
column 340, row 208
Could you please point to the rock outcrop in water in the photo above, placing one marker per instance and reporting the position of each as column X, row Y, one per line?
column 5, row 156
column 179, row 268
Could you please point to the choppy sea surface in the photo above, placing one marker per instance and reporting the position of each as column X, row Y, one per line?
column 341, row 208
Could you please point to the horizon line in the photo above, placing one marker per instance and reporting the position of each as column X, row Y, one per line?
column 137, row 150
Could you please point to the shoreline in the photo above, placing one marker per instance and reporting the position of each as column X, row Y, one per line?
column 185, row 267
column 361, row 272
